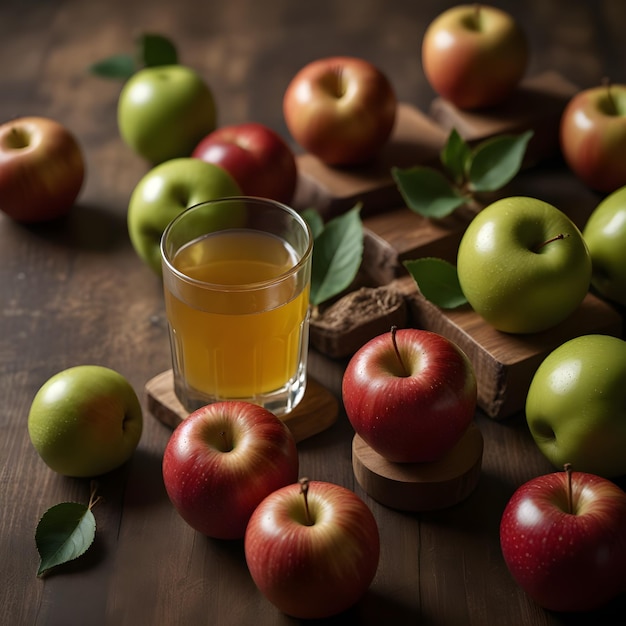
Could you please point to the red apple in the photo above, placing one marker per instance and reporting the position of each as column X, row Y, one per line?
column 593, row 136
column 474, row 55
column 410, row 395
column 222, row 460
column 41, row 169
column 312, row 549
column 340, row 109
column 257, row 157
column 563, row 538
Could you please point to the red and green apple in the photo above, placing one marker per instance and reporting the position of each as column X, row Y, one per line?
column 312, row 548
column 42, row 169
column 563, row 540
column 222, row 461
column 257, row 157
column 410, row 394
column 474, row 55
column 593, row 136
column 340, row 109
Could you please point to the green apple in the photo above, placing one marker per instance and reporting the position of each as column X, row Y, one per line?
column 85, row 421
column 164, row 111
column 167, row 190
column 523, row 265
column 576, row 405
column 605, row 234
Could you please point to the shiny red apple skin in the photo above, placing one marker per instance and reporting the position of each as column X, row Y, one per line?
column 256, row 156
column 340, row 109
column 567, row 562
column 316, row 571
column 593, row 136
column 222, row 460
column 412, row 418
column 42, row 169
column 474, row 56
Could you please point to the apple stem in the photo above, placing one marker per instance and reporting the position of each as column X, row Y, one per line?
column 228, row 443
column 570, row 505
column 607, row 83
column 304, row 490
column 477, row 11
column 92, row 496
column 17, row 139
column 545, row 243
column 397, row 351
column 338, row 86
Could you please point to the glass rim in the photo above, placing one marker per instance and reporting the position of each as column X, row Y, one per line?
column 243, row 287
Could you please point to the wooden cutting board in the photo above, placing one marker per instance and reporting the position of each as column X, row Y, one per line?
column 317, row 411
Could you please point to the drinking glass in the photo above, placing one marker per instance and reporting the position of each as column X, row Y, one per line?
column 236, row 277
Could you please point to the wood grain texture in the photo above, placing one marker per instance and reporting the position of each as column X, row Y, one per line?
column 75, row 292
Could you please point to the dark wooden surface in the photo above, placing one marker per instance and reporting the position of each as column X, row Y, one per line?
column 75, row 292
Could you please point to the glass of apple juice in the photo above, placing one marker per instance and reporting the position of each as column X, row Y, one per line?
column 236, row 276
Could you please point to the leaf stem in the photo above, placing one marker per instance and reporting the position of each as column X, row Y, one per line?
column 92, row 496
column 397, row 351
column 304, row 490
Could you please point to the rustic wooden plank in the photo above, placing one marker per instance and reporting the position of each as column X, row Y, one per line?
column 536, row 105
column 505, row 363
column 418, row 138
column 415, row 140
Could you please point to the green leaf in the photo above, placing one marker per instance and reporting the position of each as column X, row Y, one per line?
column 438, row 281
column 64, row 533
column 314, row 220
column 455, row 156
column 337, row 256
column 427, row 191
column 119, row 67
column 154, row 49
column 496, row 161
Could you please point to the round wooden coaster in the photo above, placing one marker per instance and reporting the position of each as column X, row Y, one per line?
column 420, row 486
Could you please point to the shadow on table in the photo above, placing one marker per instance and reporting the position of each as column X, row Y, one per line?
column 86, row 227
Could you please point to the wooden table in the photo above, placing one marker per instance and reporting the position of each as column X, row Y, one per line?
column 75, row 292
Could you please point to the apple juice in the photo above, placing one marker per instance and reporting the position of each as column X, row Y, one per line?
column 238, row 315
